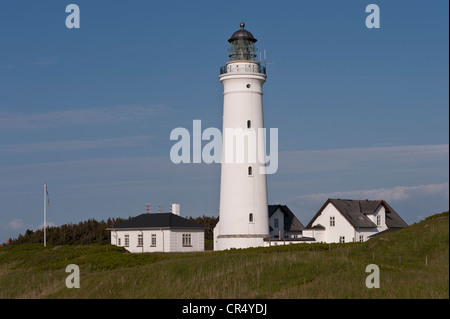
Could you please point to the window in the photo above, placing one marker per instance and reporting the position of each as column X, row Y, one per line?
column 378, row 220
column 332, row 221
column 140, row 240
column 361, row 238
column 187, row 240
column 250, row 171
column 127, row 240
column 118, row 241
column 153, row 239
column 275, row 223
column 250, row 218
column 249, row 124
column 342, row 239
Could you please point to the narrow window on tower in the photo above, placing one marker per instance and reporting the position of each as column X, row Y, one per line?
column 250, row 218
column 249, row 124
column 250, row 171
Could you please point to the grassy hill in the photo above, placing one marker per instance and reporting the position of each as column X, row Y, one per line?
column 413, row 262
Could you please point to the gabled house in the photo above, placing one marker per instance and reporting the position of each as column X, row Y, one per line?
column 346, row 220
column 283, row 224
column 158, row 232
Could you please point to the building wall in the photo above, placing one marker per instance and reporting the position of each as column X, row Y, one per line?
column 341, row 226
column 382, row 213
column 276, row 230
column 167, row 240
column 197, row 240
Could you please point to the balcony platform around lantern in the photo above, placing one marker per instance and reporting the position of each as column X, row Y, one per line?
column 244, row 66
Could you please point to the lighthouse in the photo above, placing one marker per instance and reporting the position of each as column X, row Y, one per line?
column 243, row 216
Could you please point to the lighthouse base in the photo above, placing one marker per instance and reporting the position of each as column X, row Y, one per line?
column 224, row 242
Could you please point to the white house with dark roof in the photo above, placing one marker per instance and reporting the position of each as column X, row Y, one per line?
column 284, row 227
column 283, row 224
column 346, row 220
column 158, row 232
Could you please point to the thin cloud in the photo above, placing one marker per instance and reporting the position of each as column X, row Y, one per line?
column 48, row 224
column 77, row 144
column 93, row 116
column 358, row 159
column 16, row 224
column 46, row 61
column 394, row 194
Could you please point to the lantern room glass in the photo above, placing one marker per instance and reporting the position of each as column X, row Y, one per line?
column 242, row 50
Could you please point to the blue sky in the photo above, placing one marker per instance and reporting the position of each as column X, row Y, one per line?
column 361, row 113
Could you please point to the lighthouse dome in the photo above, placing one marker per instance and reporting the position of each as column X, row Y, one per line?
column 242, row 34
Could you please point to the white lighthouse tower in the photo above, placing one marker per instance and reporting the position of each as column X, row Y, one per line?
column 243, row 215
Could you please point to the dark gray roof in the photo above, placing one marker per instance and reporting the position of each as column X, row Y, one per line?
column 242, row 34
column 393, row 220
column 157, row 220
column 291, row 223
column 355, row 211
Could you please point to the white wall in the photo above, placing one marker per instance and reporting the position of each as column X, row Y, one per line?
column 280, row 216
column 332, row 233
column 382, row 213
column 167, row 240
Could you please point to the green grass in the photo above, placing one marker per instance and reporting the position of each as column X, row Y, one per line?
column 413, row 263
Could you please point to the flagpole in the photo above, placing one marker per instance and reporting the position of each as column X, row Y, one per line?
column 45, row 213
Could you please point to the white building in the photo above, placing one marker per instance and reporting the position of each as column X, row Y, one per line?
column 158, row 232
column 243, row 188
column 283, row 224
column 346, row 220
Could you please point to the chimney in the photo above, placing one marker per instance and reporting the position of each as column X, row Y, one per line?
column 176, row 209
column 148, row 208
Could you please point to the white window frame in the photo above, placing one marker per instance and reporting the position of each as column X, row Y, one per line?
column 187, row 240
column 140, row 240
column 341, row 239
column 153, row 242
column 126, row 240
column 379, row 220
